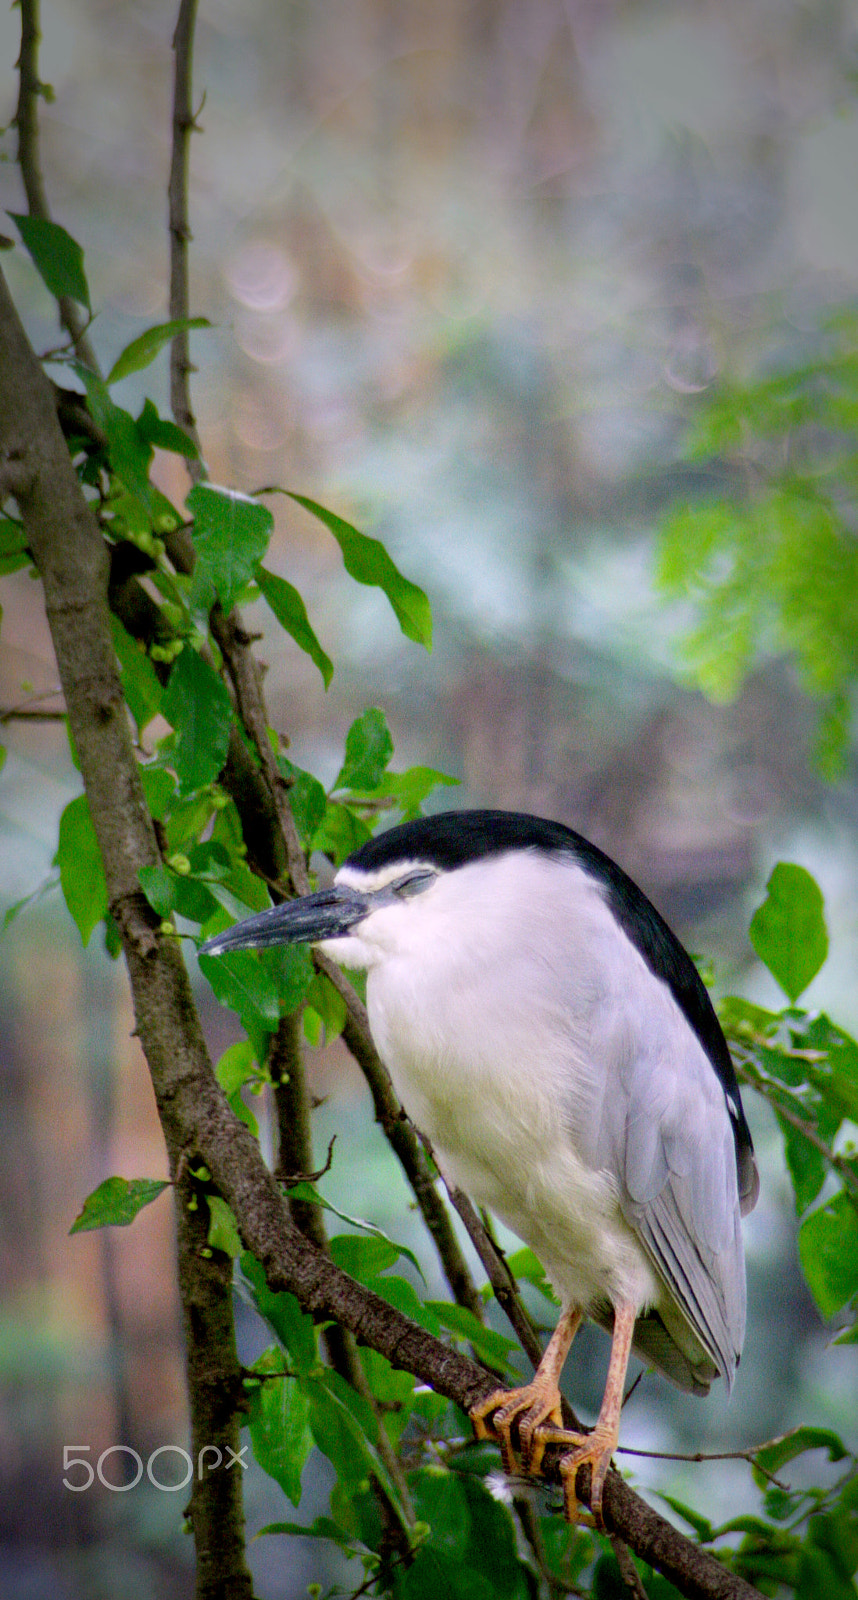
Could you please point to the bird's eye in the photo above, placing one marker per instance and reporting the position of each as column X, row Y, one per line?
column 413, row 883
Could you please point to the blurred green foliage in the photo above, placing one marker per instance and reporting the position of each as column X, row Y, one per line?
column 770, row 560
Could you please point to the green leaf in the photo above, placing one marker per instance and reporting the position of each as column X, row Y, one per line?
column 410, row 788
column 14, row 553
column 236, row 1067
column 278, row 1420
column 159, row 886
column 458, row 1320
column 307, row 800
column 828, row 1251
column 703, row 1528
column 345, row 1429
column 159, row 787
column 57, row 257
column 231, row 534
column 165, row 435
column 400, row 1293
column 291, row 613
column 367, row 561
column 116, row 1202
column 81, row 869
column 140, row 681
column 776, row 1455
column 310, row 1194
column 439, row 1499
column 242, row 984
column 130, row 454
column 788, row 930
column 197, row 705
column 808, row 1167
column 291, row 970
column 319, row 1528
column 143, row 350
column 223, row 1232
column 294, row 1328
column 369, row 747
column 340, row 832
column 327, row 1007
column 361, row 1256
column 470, row 1553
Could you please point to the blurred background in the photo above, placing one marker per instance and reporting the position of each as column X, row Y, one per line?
column 471, row 267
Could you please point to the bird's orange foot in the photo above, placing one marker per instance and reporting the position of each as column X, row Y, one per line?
column 536, row 1403
column 596, row 1449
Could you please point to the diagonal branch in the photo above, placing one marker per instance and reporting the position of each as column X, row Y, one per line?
column 195, row 1114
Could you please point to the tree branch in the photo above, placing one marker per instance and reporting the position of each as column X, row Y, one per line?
column 180, row 232
column 195, row 1115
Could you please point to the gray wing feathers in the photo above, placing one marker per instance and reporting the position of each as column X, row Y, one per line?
column 678, row 1170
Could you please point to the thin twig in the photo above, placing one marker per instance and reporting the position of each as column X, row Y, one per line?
column 30, row 90
column 503, row 1283
column 180, row 232
column 628, row 1571
column 21, row 714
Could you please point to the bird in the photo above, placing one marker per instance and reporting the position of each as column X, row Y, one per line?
column 547, row 1032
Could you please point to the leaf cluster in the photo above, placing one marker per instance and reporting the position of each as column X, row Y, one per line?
column 769, row 558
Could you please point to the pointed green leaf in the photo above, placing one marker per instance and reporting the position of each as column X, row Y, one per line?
column 307, row 800
column 231, row 534
column 116, row 1202
column 278, row 1419
column 81, row 868
column 410, row 788
column 294, row 1328
column 291, row 613
column 367, row 561
column 772, row 1457
column 369, row 747
column 159, row 886
column 165, row 435
column 143, row 350
column 458, row 1320
column 236, row 1067
column 788, row 930
column 57, row 257
column 828, row 1251
column 143, row 689
column 130, row 454
column 243, row 984
column 197, row 705
column 222, row 1233
column 13, row 547
column 309, row 1193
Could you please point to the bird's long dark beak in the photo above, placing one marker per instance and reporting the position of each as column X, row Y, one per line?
column 308, row 920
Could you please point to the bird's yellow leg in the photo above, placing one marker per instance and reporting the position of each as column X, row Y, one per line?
column 598, row 1446
column 539, row 1400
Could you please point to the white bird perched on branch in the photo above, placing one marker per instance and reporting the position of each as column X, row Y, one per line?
column 547, row 1031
